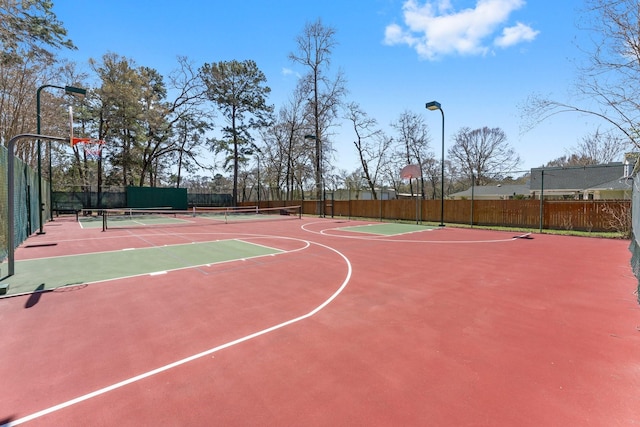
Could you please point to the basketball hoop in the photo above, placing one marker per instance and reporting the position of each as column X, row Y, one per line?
column 410, row 171
column 92, row 147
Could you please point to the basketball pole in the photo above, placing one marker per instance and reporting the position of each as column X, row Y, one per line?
column 51, row 166
column 69, row 90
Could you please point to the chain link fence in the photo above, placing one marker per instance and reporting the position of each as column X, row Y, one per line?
column 26, row 209
column 635, row 237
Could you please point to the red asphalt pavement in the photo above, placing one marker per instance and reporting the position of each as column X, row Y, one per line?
column 446, row 327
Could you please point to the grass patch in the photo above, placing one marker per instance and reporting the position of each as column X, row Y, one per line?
column 596, row 234
column 387, row 228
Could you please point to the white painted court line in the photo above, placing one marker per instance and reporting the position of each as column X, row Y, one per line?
column 195, row 356
column 250, row 241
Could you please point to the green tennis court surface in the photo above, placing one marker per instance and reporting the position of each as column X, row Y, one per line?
column 128, row 218
column 51, row 273
column 387, row 229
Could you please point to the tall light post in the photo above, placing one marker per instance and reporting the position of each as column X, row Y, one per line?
column 432, row 106
column 69, row 90
column 319, row 180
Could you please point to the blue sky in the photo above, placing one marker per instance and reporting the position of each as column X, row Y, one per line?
column 481, row 59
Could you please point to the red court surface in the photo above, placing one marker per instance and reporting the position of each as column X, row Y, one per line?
column 447, row 327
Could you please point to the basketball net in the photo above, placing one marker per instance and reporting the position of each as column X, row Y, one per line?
column 92, row 147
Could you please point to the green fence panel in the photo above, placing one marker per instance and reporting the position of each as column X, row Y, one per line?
column 635, row 227
column 4, row 209
column 26, row 204
column 155, row 197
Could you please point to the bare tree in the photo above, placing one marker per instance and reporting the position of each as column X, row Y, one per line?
column 314, row 49
column 20, row 78
column 190, row 120
column 603, row 147
column 287, row 154
column 288, row 134
column 371, row 144
column 596, row 148
column 413, row 142
column 612, row 74
column 30, row 35
column 432, row 172
column 19, row 81
column 483, row 152
column 570, row 160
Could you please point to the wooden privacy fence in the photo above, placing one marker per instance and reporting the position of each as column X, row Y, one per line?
column 582, row 215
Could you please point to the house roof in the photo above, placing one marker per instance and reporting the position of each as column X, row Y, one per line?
column 560, row 179
column 616, row 184
column 493, row 190
column 577, row 178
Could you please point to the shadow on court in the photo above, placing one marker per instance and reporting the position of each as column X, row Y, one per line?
column 34, row 298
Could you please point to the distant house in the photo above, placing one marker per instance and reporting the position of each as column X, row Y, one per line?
column 492, row 192
column 616, row 189
column 593, row 182
column 381, row 194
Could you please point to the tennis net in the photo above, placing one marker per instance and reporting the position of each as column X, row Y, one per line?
column 131, row 217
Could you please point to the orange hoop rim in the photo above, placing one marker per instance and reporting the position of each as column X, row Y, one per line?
column 76, row 141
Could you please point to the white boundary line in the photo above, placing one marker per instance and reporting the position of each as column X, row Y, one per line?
column 324, row 232
column 180, row 362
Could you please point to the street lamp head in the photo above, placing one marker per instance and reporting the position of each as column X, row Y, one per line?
column 310, row 137
column 433, row 105
column 75, row 91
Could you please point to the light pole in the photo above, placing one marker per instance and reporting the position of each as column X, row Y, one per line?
column 432, row 106
column 69, row 90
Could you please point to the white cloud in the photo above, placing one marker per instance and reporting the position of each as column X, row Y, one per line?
column 394, row 34
column 289, row 72
column 434, row 29
column 514, row 35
